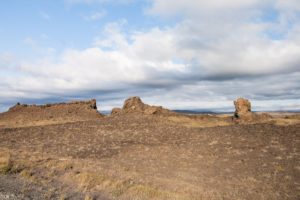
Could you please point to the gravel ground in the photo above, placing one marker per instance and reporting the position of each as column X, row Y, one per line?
column 256, row 161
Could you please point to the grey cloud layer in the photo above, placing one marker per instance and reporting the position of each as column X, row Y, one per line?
column 211, row 56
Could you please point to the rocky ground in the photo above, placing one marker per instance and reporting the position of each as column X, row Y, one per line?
column 143, row 152
column 151, row 157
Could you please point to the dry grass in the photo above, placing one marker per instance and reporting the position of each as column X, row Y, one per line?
column 5, row 161
column 200, row 121
column 287, row 120
column 118, row 188
column 20, row 124
column 88, row 197
column 224, row 120
column 152, row 158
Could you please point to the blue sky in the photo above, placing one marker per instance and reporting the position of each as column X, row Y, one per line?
column 191, row 54
column 62, row 24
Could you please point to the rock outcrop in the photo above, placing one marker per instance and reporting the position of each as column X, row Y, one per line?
column 243, row 113
column 136, row 105
column 116, row 111
column 87, row 105
column 26, row 115
column 242, row 107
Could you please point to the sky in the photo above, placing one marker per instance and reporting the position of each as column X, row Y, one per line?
column 181, row 54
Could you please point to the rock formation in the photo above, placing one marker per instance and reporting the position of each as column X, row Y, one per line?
column 136, row 105
column 242, row 107
column 25, row 115
column 116, row 111
column 244, row 114
column 88, row 105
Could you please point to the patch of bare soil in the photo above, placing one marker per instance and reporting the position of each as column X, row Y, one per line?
column 137, row 156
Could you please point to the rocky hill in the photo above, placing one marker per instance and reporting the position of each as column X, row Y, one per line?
column 30, row 115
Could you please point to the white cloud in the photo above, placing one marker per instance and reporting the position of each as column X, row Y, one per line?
column 95, row 16
column 29, row 41
column 201, row 7
column 235, row 8
column 288, row 5
column 6, row 57
column 45, row 15
column 7, row 62
column 215, row 53
column 36, row 47
column 233, row 37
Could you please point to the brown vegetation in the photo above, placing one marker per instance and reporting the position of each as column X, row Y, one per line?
column 5, row 161
column 143, row 155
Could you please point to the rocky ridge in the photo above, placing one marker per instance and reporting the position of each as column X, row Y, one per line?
column 136, row 105
column 27, row 115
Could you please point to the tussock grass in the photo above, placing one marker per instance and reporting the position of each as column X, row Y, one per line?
column 286, row 121
column 126, row 189
column 199, row 121
column 5, row 162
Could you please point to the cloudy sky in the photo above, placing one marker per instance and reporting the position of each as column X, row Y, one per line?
column 182, row 54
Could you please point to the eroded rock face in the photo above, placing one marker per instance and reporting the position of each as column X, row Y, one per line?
column 243, row 113
column 27, row 115
column 133, row 104
column 88, row 105
column 150, row 110
column 136, row 105
column 242, row 107
column 93, row 104
column 116, row 111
